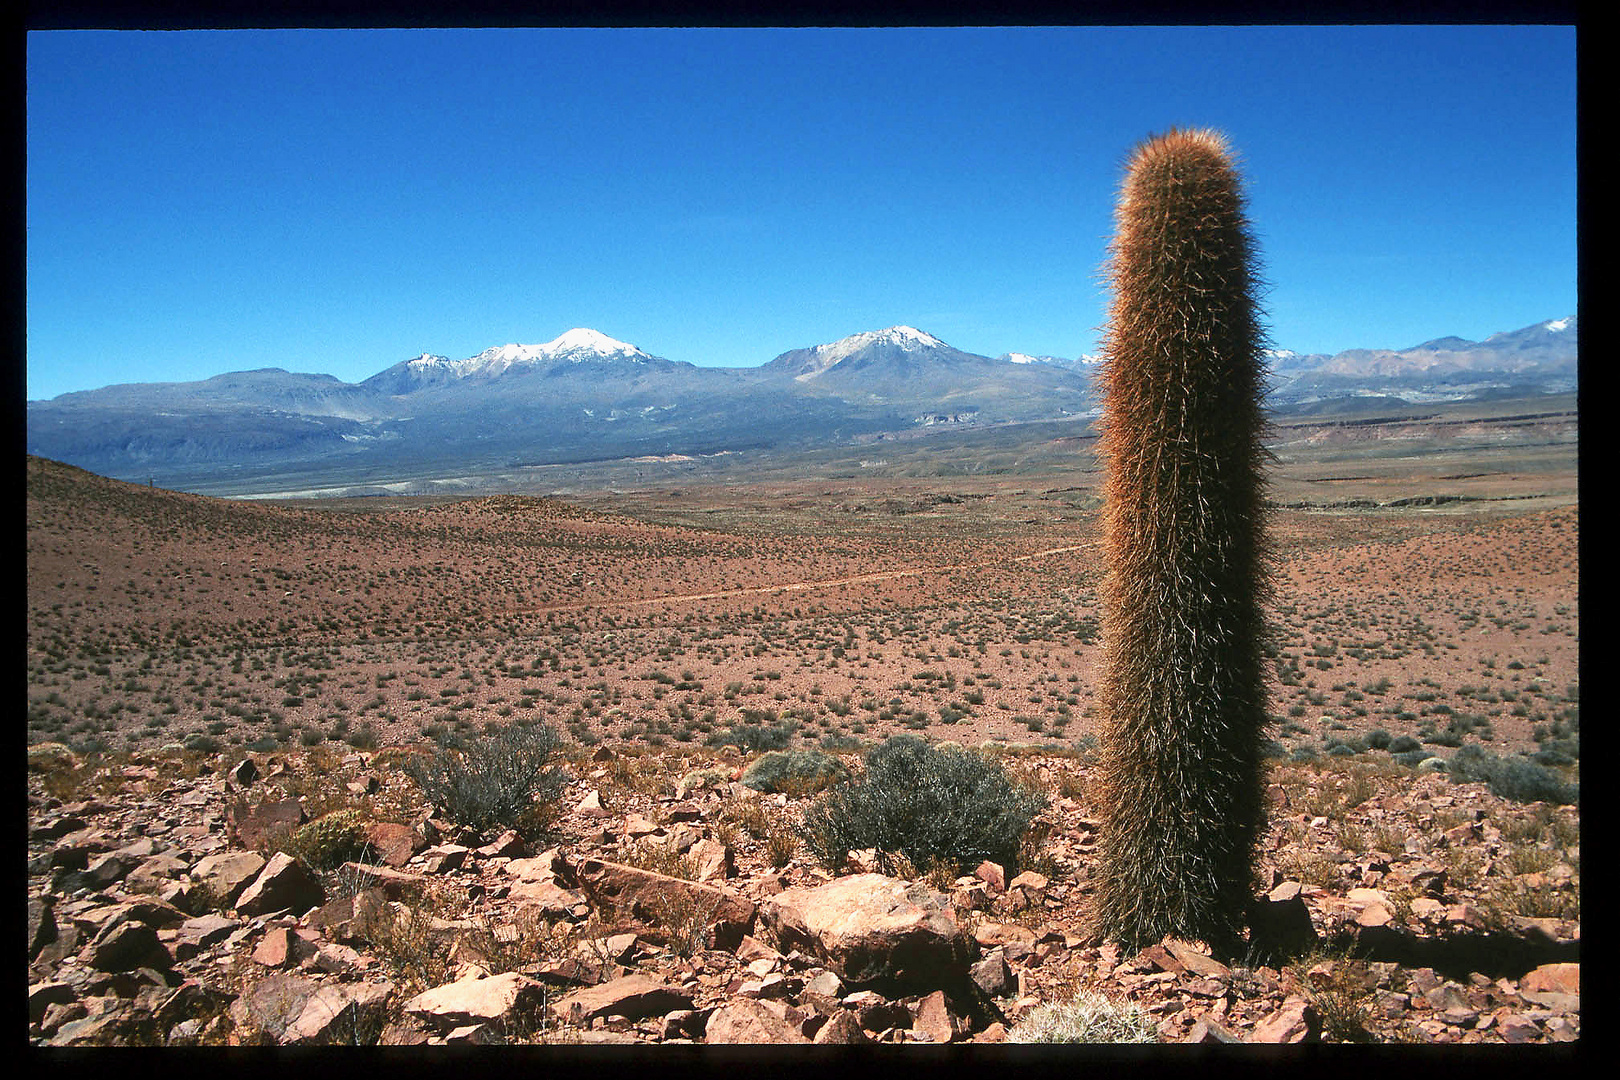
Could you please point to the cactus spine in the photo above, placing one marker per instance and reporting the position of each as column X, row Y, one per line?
column 1182, row 690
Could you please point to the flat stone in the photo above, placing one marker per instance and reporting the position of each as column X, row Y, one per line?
column 155, row 872
column 632, row 996
column 227, row 873
column 744, row 1021
column 1196, row 961
column 714, row 860
column 649, row 898
column 869, row 927
column 474, row 1000
column 271, row 1005
column 549, row 898
column 1209, row 1031
column 1552, row 978
column 339, row 1014
column 508, row 845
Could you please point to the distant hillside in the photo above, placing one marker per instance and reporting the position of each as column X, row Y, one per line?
column 585, row 396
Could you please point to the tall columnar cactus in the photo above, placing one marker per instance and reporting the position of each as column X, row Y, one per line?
column 1182, row 692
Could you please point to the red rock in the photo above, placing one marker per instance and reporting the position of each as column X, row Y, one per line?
column 993, row 875
column 549, row 898
column 934, row 1021
column 253, row 827
column 508, row 845
column 992, row 975
column 745, row 1021
column 444, row 858
column 1518, row 1029
column 713, row 860
column 1552, row 978
column 271, row 1005
column 1017, row 939
column 283, row 885
column 1296, row 1021
column 591, row 806
column 338, row 1014
column 394, row 843
column 1208, row 1031
column 639, row 825
column 282, row 947
column 841, row 1029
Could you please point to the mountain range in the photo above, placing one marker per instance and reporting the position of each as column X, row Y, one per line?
column 585, row 396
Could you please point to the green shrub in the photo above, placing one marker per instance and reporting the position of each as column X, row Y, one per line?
column 494, row 781
column 926, row 803
column 754, row 738
column 1403, row 744
column 797, row 772
column 328, row 842
column 1516, row 778
column 1379, row 739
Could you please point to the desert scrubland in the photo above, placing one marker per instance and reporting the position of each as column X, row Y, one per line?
column 1426, row 599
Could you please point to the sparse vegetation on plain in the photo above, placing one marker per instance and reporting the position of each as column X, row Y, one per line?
column 842, row 609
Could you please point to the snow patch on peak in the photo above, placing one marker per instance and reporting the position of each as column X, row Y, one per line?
column 908, row 338
column 910, row 335
column 1559, row 325
column 584, row 339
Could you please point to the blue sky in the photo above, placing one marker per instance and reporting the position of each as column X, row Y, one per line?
column 338, row 201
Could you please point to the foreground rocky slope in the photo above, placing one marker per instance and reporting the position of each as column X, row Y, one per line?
column 670, row 903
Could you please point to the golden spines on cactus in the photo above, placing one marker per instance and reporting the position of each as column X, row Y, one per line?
column 1182, row 689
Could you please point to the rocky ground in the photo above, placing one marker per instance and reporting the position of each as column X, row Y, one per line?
column 669, row 903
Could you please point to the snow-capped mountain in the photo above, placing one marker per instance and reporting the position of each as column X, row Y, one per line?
column 578, row 346
column 1537, row 359
column 585, row 396
column 897, row 343
column 1082, row 362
